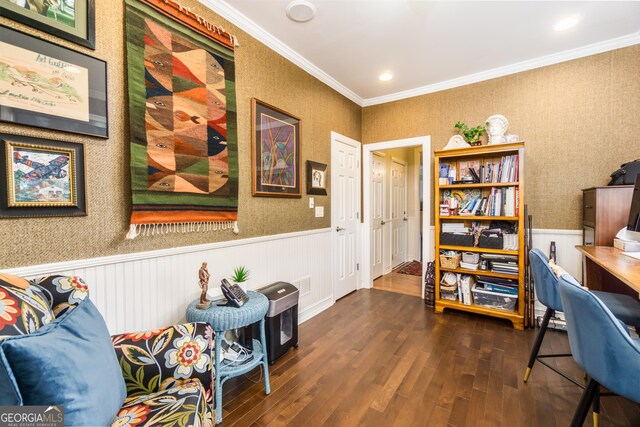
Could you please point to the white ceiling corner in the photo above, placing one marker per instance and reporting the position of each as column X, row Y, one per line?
column 238, row 19
column 435, row 60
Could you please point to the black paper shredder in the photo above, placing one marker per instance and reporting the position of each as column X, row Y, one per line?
column 281, row 322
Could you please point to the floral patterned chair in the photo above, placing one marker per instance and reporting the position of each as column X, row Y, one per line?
column 168, row 372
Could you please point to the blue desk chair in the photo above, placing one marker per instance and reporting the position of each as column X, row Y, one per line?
column 601, row 345
column 623, row 307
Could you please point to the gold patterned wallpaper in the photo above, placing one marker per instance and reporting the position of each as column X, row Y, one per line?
column 579, row 120
column 260, row 73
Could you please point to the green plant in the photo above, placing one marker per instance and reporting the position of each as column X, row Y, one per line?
column 471, row 135
column 240, row 274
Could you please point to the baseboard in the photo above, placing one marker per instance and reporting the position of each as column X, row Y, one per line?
column 315, row 309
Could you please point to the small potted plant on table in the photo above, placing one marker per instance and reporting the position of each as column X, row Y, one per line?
column 240, row 276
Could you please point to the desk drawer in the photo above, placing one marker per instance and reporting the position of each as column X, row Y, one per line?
column 589, row 207
column 589, row 236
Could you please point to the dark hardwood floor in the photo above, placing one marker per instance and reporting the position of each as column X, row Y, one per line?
column 381, row 359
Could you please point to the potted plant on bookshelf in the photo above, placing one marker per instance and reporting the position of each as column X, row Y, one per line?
column 471, row 135
column 240, row 276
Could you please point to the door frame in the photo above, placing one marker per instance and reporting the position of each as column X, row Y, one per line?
column 337, row 138
column 367, row 149
column 406, row 212
column 385, row 245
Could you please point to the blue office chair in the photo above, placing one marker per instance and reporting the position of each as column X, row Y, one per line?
column 601, row 345
column 624, row 307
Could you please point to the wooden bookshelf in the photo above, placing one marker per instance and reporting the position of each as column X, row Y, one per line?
column 485, row 155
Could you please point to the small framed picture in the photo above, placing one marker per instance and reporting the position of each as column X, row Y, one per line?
column 316, row 178
column 275, row 169
column 41, row 177
column 72, row 20
column 52, row 87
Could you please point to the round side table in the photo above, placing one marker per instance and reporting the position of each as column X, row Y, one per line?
column 222, row 319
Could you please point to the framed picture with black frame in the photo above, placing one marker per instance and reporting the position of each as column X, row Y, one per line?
column 49, row 86
column 40, row 177
column 275, row 167
column 73, row 20
column 316, row 178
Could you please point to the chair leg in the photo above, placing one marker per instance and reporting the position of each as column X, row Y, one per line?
column 596, row 407
column 585, row 402
column 538, row 343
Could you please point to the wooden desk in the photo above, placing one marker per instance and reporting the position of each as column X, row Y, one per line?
column 607, row 269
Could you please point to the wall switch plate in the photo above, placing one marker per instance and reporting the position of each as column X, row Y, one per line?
column 312, row 202
column 319, row 211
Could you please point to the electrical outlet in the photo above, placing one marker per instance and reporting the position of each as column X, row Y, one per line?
column 319, row 211
column 312, row 202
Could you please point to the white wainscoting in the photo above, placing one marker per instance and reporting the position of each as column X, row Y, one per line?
column 147, row 290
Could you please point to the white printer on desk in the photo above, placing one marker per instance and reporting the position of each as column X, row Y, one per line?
column 628, row 239
column 622, row 242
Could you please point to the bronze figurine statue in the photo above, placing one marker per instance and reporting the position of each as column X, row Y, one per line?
column 203, row 277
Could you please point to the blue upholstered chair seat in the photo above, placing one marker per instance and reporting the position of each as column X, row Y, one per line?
column 600, row 345
column 624, row 307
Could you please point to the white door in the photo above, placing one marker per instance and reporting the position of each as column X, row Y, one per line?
column 345, row 205
column 398, row 213
column 377, row 214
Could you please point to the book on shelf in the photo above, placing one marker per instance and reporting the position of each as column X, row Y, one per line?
column 503, row 169
column 498, row 202
column 465, row 283
column 454, row 227
column 443, row 176
column 498, row 284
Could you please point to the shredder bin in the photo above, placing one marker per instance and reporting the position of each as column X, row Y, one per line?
column 281, row 321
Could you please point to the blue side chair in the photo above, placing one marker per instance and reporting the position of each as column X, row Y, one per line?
column 601, row 345
column 624, row 307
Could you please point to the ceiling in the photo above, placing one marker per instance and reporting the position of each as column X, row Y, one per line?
column 429, row 45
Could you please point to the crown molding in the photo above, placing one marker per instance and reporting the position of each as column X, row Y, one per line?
column 240, row 20
column 530, row 64
column 247, row 25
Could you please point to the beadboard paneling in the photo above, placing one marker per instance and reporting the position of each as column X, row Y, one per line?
column 151, row 289
column 146, row 290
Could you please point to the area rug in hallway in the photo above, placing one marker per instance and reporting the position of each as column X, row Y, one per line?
column 413, row 268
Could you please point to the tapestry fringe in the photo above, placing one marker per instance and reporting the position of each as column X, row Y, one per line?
column 136, row 230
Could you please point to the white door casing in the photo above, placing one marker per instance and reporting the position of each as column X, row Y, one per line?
column 377, row 214
column 345, row 206
column 398, row 212
column 427, row 233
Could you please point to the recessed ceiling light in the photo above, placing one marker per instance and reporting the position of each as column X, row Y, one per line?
column 301, row 11
column 567, row 23
column 385, row 76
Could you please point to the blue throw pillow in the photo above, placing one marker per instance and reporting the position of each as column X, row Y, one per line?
column 69, row 362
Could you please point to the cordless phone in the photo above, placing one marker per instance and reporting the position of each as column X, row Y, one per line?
column 233, row 293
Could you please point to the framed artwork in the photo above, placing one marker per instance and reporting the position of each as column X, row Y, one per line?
column 41, row 177
column 52, row 87
column 275, row 168
column 316, row 178
column 72, row 20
